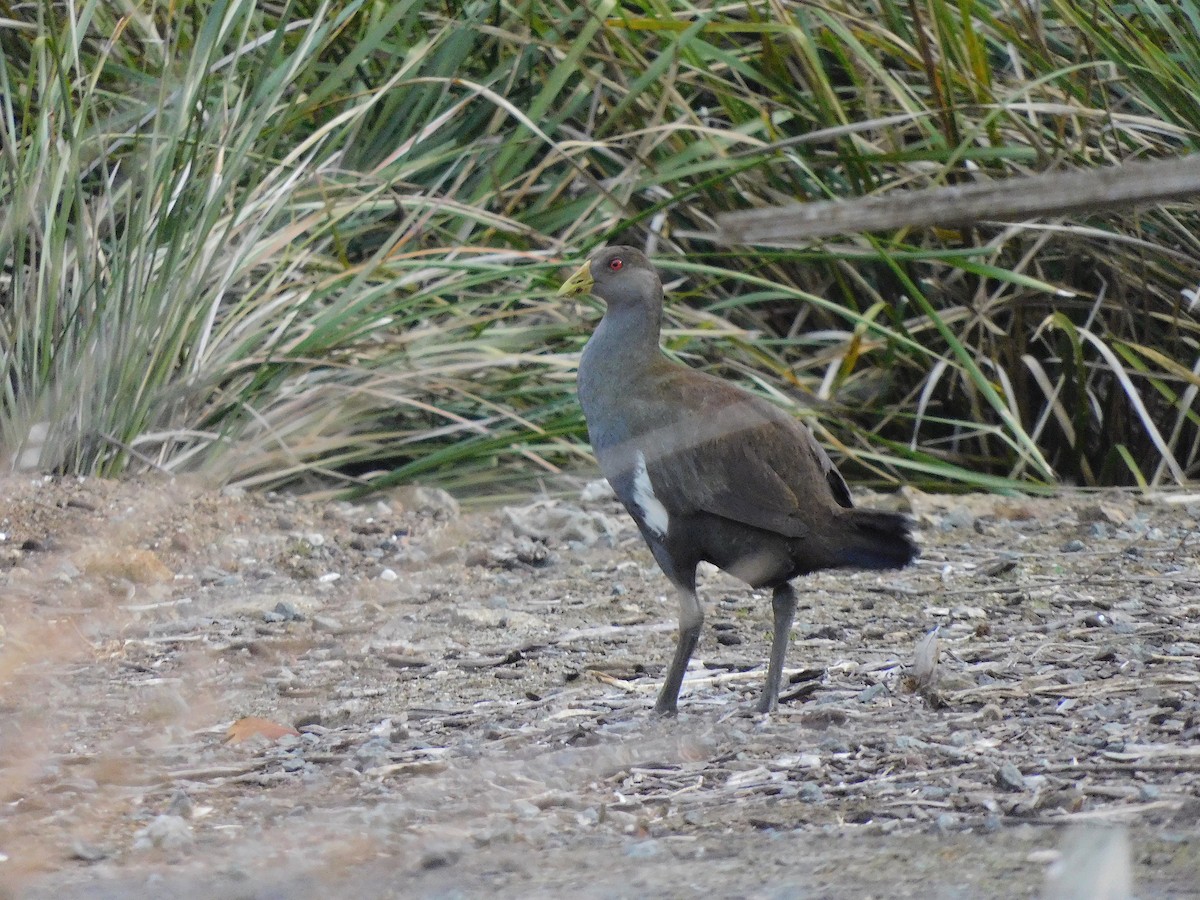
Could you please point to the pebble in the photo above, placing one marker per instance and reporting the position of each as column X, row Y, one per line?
column 595, row 491
column 525, row 809
column 834, row 744
column 388, row 575
column 374, row 753
column 181, row 805
column 427, row 501
column 548, row 520
column 1010, row 777
column 1073, row 546
column 441, row 858
column 283, row 612
column 166, row 831
column 588, row 817
column 810, row 792
column 871, row 693
column 643, row 849
column 958, row 517
column 410, row 556
column 88, row 852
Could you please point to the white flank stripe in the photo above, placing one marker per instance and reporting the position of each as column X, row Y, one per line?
column 654, row 514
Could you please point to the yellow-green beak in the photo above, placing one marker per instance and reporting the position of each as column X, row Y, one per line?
column 580, row 282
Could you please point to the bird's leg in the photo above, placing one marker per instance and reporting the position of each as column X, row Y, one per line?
column 691, row 619
column 783, row 604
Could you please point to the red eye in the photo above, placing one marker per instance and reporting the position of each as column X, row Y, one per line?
column 615, row 264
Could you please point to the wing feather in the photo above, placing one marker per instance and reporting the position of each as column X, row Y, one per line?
column 711, row 447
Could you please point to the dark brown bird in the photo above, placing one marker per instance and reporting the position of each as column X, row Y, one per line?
column 710, row 472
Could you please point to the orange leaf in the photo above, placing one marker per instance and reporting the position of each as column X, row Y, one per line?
column 252, row 727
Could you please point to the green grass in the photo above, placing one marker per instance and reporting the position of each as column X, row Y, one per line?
column 315, row 244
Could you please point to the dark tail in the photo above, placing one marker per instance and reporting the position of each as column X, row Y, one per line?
column 873, row 539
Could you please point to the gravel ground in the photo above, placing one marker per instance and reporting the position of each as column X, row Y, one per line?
column 204, row 694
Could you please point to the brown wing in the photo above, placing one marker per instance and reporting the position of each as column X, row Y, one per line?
column 735, row 455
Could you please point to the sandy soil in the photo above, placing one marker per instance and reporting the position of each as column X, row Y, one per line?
column 211, row 695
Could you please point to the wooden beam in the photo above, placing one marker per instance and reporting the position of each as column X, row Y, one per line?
column 1029, row 197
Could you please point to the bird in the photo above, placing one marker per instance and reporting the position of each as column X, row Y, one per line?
column 710, row 472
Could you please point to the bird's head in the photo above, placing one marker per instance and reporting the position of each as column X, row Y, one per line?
column 620, row 276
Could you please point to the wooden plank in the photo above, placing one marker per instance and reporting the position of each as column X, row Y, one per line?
column 1030, row 197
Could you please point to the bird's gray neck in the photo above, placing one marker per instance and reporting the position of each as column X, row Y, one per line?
column 621, row 346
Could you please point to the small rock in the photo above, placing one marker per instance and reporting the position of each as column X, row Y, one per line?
column 1104, row 513
column 871, row 693
column 810, row 792
column 643, row 849
column 283, row 612
column 1010, row 778
column 1149, row 792
column 440, row 858
column 525, row 809
column 427, row 501
column 410, row 557
column 181, row 805
column 1073, row 546
column 996, row 567
column 372, row 754
column 548, row 520
column 958, row 517
column 597, row 490
column 387, row 575
column 88, row 852
column 167, row 832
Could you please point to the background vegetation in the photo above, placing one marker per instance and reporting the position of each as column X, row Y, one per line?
column 316, row 244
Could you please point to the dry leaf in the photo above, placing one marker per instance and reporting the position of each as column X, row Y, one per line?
column 252, row 727
column 131, row 563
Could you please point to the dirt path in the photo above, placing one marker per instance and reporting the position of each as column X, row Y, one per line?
column 458, row 706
